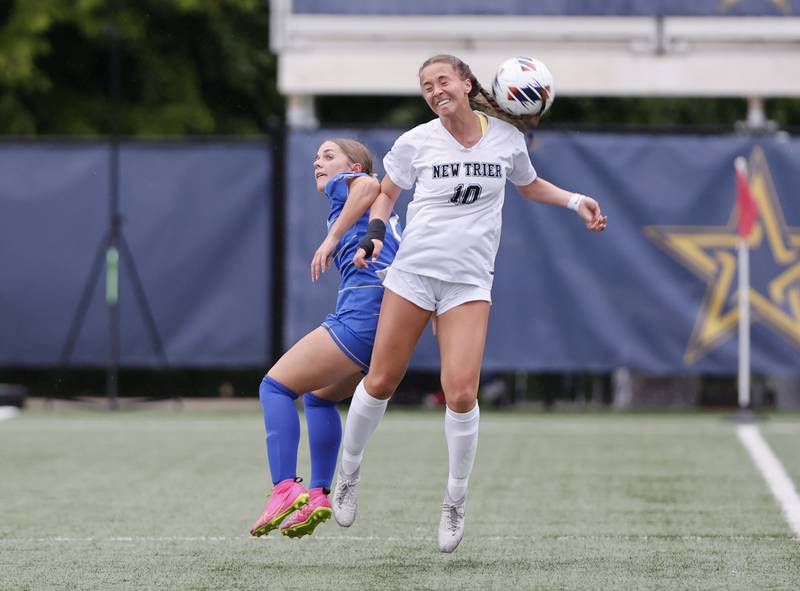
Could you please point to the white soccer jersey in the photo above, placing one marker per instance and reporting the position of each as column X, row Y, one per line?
column 453, row 223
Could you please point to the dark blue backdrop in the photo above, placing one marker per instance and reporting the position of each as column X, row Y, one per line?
column 565, row 298
column 197, row 219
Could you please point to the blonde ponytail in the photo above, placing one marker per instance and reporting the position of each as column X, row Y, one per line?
column 485, row 101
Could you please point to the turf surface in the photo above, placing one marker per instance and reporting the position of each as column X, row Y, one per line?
column 162, row 499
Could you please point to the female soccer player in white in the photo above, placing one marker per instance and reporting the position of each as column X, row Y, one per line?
column 459, row 162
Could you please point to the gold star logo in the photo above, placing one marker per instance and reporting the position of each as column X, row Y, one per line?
column 782, row 5
column 710, row 253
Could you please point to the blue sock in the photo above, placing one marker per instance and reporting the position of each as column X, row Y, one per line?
column 283, row 428
column 324, row 437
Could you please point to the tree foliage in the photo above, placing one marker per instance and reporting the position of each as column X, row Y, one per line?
column 203, row 67
column 187, row 67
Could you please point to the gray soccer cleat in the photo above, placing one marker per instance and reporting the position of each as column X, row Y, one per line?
column 345, row 497
column 451, row 524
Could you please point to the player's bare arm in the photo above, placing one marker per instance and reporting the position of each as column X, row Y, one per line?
column 542, row 191
column 364, row 190
column 381, row 210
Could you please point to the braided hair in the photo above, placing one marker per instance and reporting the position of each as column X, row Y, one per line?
column 479, row 97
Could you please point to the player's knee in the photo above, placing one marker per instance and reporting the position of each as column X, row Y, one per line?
column 461, row 398
column 271, row 386
column 380, row 385
column 276, row 373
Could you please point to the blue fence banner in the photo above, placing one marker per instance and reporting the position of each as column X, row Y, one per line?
column 197, row 221
column 641, row 8
column 656, row 292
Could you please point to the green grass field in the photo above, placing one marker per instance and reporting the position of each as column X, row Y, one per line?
column 162, row 499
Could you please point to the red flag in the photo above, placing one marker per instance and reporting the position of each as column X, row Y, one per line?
column 748, row 210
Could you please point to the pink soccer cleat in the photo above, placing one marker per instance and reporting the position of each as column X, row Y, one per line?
column 287, row 496
column 305, row 520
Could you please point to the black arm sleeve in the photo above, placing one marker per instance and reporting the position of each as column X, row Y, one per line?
column 377, row 231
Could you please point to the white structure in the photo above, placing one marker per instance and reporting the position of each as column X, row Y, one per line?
column 590, row 56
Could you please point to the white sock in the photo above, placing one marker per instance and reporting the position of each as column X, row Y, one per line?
column 461, row 431
column 362, row 419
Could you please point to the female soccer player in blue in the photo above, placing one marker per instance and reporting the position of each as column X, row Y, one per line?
column 325, row 366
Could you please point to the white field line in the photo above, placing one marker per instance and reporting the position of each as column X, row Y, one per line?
column 8, row 412
column 771, row 469
column 328, row 539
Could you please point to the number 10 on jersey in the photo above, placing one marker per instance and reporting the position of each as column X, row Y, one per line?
column 462, row 196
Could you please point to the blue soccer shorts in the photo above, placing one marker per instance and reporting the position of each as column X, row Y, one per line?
column 357, row 349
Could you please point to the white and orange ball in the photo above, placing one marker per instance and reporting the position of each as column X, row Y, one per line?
column 524, row 86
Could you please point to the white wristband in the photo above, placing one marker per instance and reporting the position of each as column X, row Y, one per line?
column 575, row 201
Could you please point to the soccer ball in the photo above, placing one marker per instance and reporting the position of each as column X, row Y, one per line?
column 524, row 86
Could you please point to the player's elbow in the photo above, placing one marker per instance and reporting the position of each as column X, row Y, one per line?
column 531, row 190
column 368, row 186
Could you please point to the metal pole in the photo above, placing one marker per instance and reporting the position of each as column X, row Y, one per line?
column 743, row 253
column 277, row 276
column 112, row 252
column 744, row 324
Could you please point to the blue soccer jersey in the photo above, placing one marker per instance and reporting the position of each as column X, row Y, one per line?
column 360, row 290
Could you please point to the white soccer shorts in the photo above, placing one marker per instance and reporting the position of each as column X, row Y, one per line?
column 433, row 294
